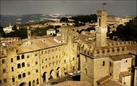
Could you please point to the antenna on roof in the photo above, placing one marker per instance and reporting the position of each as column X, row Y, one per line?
column 104, row 5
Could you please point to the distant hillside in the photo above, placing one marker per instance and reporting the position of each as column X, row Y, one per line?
column 25, row 19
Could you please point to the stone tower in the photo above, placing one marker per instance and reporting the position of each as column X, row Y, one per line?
column 64, row 33
column 28, row 32
column 101, row 29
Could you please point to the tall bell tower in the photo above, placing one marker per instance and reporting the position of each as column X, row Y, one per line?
column 101, row 28
column 28, row 32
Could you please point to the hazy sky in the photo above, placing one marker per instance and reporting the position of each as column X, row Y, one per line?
column 114, row 7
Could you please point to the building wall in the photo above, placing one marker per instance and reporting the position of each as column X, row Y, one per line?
column 125, row 64
column 101, row 68
column 38, row 66
column 87, row 69
column 127, row 80
column 135, row 78
column 3, row 72
column 23, row 68
column 116, row 70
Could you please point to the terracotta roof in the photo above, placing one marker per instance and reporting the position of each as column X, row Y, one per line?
column 125, row 73
column 36, row 44
column 119, row 57
column 104, row 79
column 74, row 83
column 112, row 83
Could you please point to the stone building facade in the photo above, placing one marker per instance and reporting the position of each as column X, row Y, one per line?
column 31, row 62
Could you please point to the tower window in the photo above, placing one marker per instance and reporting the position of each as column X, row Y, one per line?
column 5, row 80
column 4, row 70
column 3, row 61
column 110, row 64
column 0, row 82
column 11, row 59
column 103, row 64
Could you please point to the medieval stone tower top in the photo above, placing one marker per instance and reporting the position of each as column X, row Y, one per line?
column 101, row 28
column 28, row 32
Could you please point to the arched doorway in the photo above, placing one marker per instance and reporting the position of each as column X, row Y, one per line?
column 51, row 74
column 33, row 83
column 58, row 72
column 44, row 76
column 23, row 84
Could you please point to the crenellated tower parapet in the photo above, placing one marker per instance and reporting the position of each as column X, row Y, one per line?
column 115, row 48
column 126, row 43
column 110, row 51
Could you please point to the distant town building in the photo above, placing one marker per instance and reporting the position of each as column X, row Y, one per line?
column 9, row 40
column 114, row 21
column 8, row 29
column 51, row 32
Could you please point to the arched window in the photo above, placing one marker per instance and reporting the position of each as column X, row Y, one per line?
column 22, row 56
column 23, row 64
column 18, row 65
column 13, row 79
column 24, row 75
column 19, row 76
column 18, row 57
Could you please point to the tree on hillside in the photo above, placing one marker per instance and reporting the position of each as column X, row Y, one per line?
column 86, row 18
column 2, row 33
column 127, row 32
column 64, row 19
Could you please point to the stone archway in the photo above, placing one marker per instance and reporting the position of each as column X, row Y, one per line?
column 58, row 72
column 23, row 84
column 44, row 76
column 52, row 74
